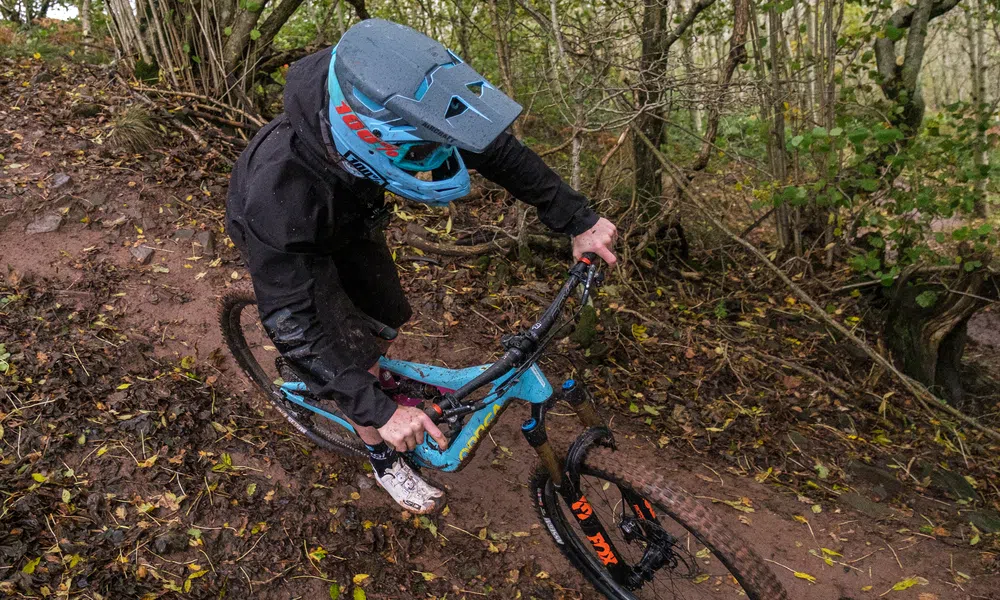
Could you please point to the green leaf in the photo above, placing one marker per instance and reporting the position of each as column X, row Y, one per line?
column 228, row 31
column 859, row 135
column 836, row 132
column 255, row 34
column 797, row 141
column 888, row 136
column 39, row 477
column 926, row 299
column 868, row 185
column 359, row 594
column 894, row 33
column 334, row 591
column 30, row 567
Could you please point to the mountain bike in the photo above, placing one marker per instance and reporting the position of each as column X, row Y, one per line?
column 623, row 526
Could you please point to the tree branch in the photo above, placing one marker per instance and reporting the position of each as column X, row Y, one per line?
column 689, row 18
column 360, row 8
column 274, row 21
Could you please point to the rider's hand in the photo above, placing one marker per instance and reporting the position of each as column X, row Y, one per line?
column 405, row 429
column 599, row 239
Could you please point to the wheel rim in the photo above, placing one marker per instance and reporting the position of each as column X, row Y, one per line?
column 686, row 569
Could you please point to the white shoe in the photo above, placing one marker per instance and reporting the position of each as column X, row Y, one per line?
column 408, row 489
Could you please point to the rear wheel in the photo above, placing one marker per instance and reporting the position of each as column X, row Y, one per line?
column 683, row 552
column 257, row 358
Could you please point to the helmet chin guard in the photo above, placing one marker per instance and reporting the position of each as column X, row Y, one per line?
column 402, row 104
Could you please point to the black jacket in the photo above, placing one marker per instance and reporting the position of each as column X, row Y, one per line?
column 290, row 210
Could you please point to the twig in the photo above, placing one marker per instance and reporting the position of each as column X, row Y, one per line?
column 920, row 393
column 80, row 361
column 452, row 250
column 838, row 391
column 561, row 146
column 898, row 562
column 249, row 117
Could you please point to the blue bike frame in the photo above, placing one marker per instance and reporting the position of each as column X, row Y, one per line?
column 532, row 386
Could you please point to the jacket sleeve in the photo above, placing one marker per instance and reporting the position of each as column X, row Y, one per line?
column 293, row 275
column 523, row 173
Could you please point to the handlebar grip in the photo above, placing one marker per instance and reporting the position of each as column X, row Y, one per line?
column 588, row 258
column 434, row 413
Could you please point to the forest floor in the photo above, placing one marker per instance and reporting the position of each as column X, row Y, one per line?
column 135, row 461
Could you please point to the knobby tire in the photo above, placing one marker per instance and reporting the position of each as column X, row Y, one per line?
column 753, row 575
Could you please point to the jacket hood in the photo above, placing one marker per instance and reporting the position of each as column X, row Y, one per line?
column 305, row 97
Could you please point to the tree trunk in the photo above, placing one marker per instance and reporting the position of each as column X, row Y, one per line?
column 240, row 35
column 648, row 184
column 689, row 66
column 656, row 41
column 775, row 111
column 503, row 57
column 977, row 57
column 737, row 56
column 927, row 340
column 84, row 9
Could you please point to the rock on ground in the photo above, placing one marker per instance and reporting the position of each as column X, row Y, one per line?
column 142, row 254
column 45, row 224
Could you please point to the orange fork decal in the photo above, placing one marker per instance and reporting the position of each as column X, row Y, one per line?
column 582, row 509
column 603, row 550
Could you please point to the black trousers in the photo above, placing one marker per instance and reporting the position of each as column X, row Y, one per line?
column 363, row 281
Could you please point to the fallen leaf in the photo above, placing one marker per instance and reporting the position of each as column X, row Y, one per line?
column 805, row 576
column 908, row 583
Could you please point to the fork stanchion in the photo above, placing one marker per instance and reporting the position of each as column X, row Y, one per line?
column 579, row 398
column 534, row 431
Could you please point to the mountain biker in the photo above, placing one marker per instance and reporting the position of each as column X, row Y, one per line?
column 386, row 109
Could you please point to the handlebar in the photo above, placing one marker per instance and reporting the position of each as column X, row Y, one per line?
column 582, row 272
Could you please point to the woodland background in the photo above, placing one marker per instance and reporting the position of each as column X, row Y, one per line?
column 807, row 193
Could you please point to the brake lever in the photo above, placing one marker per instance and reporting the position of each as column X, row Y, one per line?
column 595, row 278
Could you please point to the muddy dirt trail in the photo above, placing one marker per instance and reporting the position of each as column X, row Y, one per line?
column 136, row 462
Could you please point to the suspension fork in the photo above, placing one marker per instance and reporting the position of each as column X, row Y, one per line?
column 565, row 475
column 534, row 428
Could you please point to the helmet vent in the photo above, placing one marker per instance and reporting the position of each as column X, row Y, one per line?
column 456, row 107
column 422, row 88
column 476, row 88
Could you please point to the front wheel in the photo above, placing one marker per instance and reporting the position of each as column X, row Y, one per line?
column 671, row 548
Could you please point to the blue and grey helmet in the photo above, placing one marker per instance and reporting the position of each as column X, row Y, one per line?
column 402, row 104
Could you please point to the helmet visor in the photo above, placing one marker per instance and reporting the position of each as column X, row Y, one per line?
column 422, row 156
